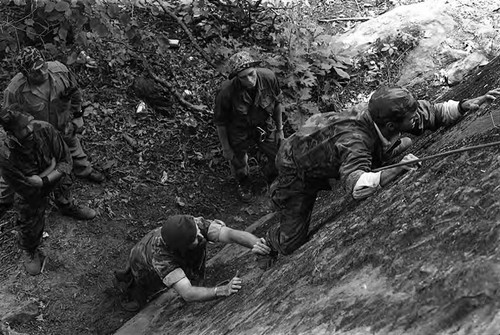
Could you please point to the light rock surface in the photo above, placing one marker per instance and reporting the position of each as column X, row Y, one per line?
column 452, row 30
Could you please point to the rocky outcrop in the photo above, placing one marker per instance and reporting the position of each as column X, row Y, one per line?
column 456, row 36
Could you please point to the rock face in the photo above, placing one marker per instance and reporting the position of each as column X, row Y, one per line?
column 420, row 257
column 451, row 30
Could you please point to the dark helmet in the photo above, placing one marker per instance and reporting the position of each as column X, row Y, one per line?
column 12, row 118
column 179, row 231
column 391, row 104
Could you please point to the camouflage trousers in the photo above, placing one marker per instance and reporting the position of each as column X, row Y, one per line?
column 81, row 164
column 31, row 215
column 294, row 200
column 242, row 144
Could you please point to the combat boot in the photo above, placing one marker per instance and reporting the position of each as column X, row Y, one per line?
column 245, row 189
column 265, row 262
column 95, row 176
column 78, row 212
column 34, row 262
column 4, row 208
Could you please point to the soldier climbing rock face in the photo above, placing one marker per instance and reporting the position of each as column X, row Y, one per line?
column 349, row 149
column 248, row 112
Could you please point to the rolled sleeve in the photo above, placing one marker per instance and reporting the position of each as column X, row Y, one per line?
column 367, row 184
column 209, row 228
column 173, row 277
column 214, row 230
column 433, row 116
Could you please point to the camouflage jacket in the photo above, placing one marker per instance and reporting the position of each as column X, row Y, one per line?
column 44, row 101
column 346, row 147
column 152, row 255
column 235, row 108
column 33, row 157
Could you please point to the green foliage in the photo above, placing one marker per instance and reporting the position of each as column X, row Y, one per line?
column 298, row 51
column 381, row 63
column 308, row 69
column 57, row 26
column 212, row 19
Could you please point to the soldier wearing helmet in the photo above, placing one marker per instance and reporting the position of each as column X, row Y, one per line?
column 49, row 92
column 174, row 255
column 248, row 112
column 348, row 149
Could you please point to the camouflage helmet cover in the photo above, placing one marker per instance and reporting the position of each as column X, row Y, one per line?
column 240, row 61
column 391, row 104
column 28, row 58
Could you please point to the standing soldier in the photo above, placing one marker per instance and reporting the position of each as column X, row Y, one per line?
column 38, row 89
column 248, row 111
column 39, row 163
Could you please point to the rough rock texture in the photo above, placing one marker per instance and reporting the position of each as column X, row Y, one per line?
column 452, row 30
column 420, row 257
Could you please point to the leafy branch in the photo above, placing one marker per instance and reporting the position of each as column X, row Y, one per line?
column 188, row 33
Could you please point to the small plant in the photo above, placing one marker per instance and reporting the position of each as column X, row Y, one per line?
column 381, row 63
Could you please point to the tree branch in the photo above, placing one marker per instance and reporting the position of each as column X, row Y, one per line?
column 169, row 86
column 188, row 32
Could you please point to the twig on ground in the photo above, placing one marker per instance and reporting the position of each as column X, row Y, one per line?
column 345, row 19
column 198, row 108
column 359, row 7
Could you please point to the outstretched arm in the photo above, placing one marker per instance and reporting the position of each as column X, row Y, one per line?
column 474, row 103
column 246, row 239
column 197, row 293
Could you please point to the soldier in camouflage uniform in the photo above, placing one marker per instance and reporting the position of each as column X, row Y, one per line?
column 248, row 111
column 39, row 163
column 38, row 89
column 174, row 256
column 349, row 148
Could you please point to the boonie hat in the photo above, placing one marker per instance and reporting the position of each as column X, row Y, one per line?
column 391, row 104
column 30, row 58
column 240, row 61
column 179, row 231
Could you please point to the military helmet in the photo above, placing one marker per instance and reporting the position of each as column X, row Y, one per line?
column 13, row 118
column 30, row 58
column 240, row 61
column 391, row 104
column 179, row 231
